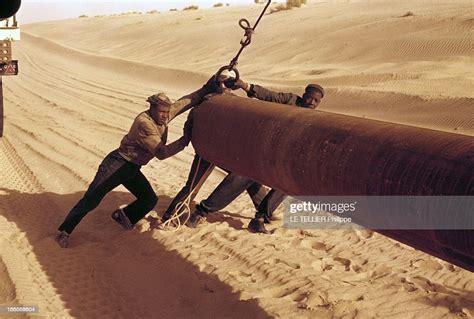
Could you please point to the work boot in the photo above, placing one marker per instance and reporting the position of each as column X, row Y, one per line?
column 120, row 217
column 257, row 225
column 195, row 219
column 62, row 238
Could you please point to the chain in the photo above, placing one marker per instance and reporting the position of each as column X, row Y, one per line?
column 248, row 32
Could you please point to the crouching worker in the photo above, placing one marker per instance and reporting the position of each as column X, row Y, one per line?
column 145, row 140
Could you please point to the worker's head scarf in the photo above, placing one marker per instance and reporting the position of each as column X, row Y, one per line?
column 159, row 99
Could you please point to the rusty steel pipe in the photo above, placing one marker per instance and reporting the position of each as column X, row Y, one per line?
column 306, row 152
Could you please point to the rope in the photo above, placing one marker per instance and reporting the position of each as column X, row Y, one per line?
column 182, row 207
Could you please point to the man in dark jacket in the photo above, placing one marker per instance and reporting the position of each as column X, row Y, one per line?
column 145, row 140
column 233, row 185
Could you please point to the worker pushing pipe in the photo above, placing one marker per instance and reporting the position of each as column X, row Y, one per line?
column 333, row 154
column 180, row 204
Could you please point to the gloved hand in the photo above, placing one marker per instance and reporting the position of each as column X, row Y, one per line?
column 235, row 85
column 211, row 85
column 218, row 85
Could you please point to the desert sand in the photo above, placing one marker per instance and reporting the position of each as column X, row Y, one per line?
column 81, row 83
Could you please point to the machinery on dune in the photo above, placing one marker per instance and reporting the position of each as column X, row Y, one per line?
column 9, row 32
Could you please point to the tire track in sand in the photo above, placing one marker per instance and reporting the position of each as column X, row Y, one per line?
column 104, row 274
column 43, row 274
column 17, row 253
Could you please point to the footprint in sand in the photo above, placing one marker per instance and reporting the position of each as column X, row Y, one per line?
column 319, row 246
column 365, row 233
column 428, row 285
column 231, row 236
column 283, row 290
column 312, row 300
column 313, row 244
column 344, row 261
column 212, row 255
column 241, row 276
column 356, row 268
column 426, row 264
column 323, row 264
column 289, row 264
column 306, row 233
column 380, row 271
column 206, row 268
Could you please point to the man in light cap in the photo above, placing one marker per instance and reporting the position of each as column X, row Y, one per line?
column 233, row 185
column 145, row 140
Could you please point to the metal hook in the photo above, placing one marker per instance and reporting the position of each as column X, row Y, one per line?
column 244, row 24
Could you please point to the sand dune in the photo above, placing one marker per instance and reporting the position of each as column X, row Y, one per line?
column 420, row 59
column 83, row 80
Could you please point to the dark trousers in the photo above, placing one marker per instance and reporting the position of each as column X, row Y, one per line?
column 114, row 171
column 197, row 174
column 268, row 205
column 229, row 189
column 232, row 186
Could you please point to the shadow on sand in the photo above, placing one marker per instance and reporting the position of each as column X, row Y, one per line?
column 109, row 272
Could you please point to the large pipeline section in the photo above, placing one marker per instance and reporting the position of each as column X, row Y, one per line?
column 306, row 152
